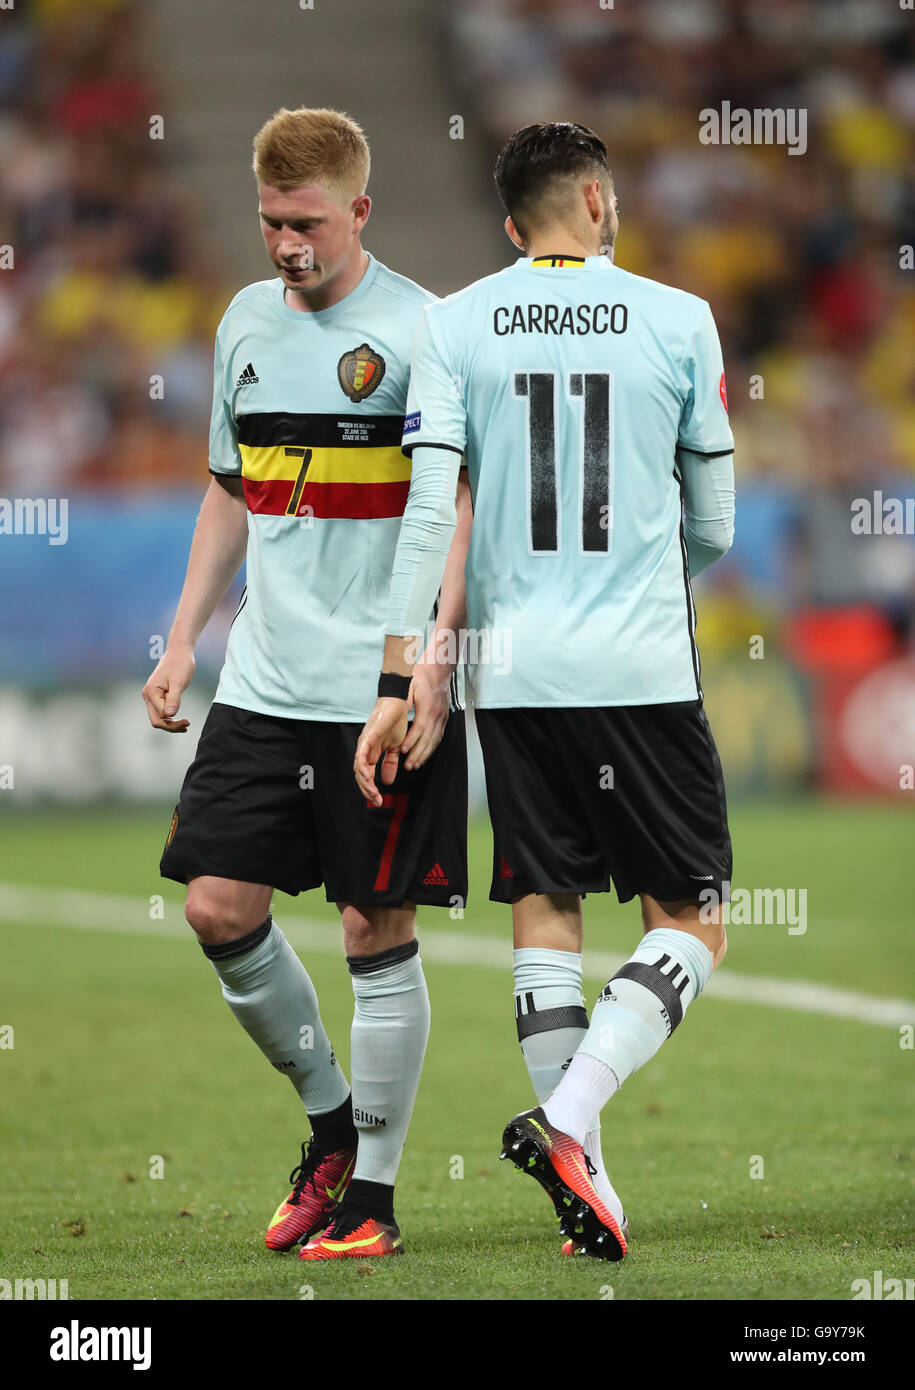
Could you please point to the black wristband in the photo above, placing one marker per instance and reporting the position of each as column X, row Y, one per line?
column 391, row 685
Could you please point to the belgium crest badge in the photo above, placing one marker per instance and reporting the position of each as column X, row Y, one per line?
column 360, row 372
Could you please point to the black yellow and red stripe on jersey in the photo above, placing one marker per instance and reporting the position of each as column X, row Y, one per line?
column 571, row 262
column 323, row 465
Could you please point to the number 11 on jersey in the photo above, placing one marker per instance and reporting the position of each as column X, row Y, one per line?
column 594, row 456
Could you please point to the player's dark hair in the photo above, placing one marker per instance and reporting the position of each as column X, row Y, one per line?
column 538, row 154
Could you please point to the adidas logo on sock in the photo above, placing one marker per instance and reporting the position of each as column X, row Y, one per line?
column 436, row 876
column 248, row 377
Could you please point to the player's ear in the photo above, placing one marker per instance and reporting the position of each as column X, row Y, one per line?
column 592, row 192
column 361, row 206
column 512, row 233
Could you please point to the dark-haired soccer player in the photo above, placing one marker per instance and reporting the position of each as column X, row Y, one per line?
column 590, row 405
column 309, row 484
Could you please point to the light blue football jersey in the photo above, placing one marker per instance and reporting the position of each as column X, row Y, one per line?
column 308, row 410
column 572, row 387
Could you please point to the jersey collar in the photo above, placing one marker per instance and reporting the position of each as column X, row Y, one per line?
column 335, row 310
column 558, row 261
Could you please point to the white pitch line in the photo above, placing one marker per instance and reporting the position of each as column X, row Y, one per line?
column 65, row 907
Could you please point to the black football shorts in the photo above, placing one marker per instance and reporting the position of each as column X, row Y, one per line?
column 625, row 796
column 274, row 801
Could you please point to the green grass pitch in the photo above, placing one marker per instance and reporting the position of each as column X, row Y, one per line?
column 123, row 1051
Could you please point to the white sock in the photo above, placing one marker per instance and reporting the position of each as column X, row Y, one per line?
column 602, row 1184
column 636, row 1012
column 390, row 1031
column 584, row 1091
column 549, row 1013
column 269, row 991
column 548, row 992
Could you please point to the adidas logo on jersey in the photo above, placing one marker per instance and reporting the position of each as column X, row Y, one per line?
column 436, row 876
column 248, row 377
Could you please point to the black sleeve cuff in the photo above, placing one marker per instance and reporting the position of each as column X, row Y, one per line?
column 706, row 453
column 428, row 444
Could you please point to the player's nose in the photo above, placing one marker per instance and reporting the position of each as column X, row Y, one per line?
column 293, row 252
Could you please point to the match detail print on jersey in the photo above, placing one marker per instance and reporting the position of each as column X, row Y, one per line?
column 323, row 465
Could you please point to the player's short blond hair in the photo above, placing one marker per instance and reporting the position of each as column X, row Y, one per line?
column 312, row 145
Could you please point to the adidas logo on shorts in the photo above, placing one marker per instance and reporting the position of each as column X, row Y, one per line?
column 436, row 877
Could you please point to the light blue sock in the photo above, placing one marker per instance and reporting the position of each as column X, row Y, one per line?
column 390, row 1032
column 646, row 999
column 636, row 1012
column 550, row 1013
column 268, row 990
column 552, row 1020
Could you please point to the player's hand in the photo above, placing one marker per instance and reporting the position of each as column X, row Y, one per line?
column 163, row 691
column 384, row 732
column 431, row 703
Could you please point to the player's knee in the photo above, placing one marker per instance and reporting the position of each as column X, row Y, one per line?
column 360, row 934
column 367, row 933
column 212, row 921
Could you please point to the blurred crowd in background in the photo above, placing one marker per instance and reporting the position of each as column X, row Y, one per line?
column 110, row 285
column 115, row 289
column 799, row 255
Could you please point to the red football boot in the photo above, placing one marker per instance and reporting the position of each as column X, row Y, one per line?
column 353, row 1234
column 318, row 1183
column 559, row 1164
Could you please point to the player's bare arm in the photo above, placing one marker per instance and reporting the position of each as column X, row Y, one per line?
column 217, row 552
